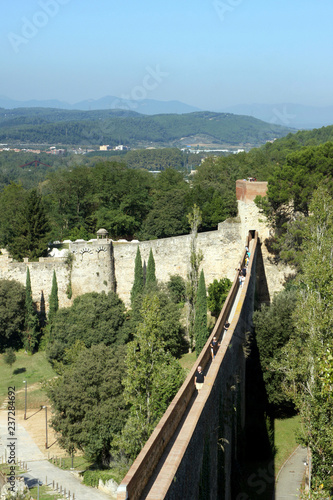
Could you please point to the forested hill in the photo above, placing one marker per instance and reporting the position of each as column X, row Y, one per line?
column 280, row 149
column 55, row 126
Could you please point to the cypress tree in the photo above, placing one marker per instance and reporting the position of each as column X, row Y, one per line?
column 200, row 322
column 138, row 284
column 31, row 319
column 150, row 274
column 53, row 299
column 196, row 257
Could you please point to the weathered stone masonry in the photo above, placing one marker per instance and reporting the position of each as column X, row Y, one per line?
column 102, row 265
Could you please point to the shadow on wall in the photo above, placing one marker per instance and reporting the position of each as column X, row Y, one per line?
column 261, row 291
column 254, row 477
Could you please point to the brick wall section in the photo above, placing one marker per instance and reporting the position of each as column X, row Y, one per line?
column 228, row 370
column 247, row 191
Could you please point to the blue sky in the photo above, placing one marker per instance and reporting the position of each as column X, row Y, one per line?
column 208, row 53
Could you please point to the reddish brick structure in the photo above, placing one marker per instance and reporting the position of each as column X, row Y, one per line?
column 247, row 190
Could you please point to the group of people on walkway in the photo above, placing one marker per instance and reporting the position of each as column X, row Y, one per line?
column 242, row 270
column 199, row 377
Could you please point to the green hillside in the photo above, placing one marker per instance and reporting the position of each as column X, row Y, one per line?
column 53, row 126
column 279, row 150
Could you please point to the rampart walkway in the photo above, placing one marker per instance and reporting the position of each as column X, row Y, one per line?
column 158, row 464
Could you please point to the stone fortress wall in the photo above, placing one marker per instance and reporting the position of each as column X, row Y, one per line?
column 104, row 265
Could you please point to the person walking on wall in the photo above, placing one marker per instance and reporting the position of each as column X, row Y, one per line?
column 214, row 345
column 199, row 378
column 226, row 327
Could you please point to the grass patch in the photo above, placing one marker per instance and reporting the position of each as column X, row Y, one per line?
column 79, row 463
column 285, row 441
column 92, row 477
column 35, row 399
column 32, row 368
column 187, row 361
column 45, row 493
column 5, row 469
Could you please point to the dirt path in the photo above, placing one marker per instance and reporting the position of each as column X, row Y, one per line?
column 35, row 426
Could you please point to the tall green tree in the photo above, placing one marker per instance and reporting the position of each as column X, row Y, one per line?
column 31, row 318
column 150, row 273
column 217, row 294
column 12, row 314
column 122, row 197
column 30, row 229
column 88, row 402
column 138, row 285
column 196, row 257
column 152, row 380
column 171, row 330
column 53, row 299
column 12, row 202
column 306, row 357
column 200, row 322
column 69, row 195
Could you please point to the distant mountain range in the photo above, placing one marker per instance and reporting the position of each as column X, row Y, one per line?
column 287, row 114
column 144, row 106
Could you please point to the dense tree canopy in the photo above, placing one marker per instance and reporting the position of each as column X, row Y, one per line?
column 110, row 126
column 177, row 288
column 295, row 340
column 290, row 189
column 93, row 318
column 305, row 360
column 88, row 403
